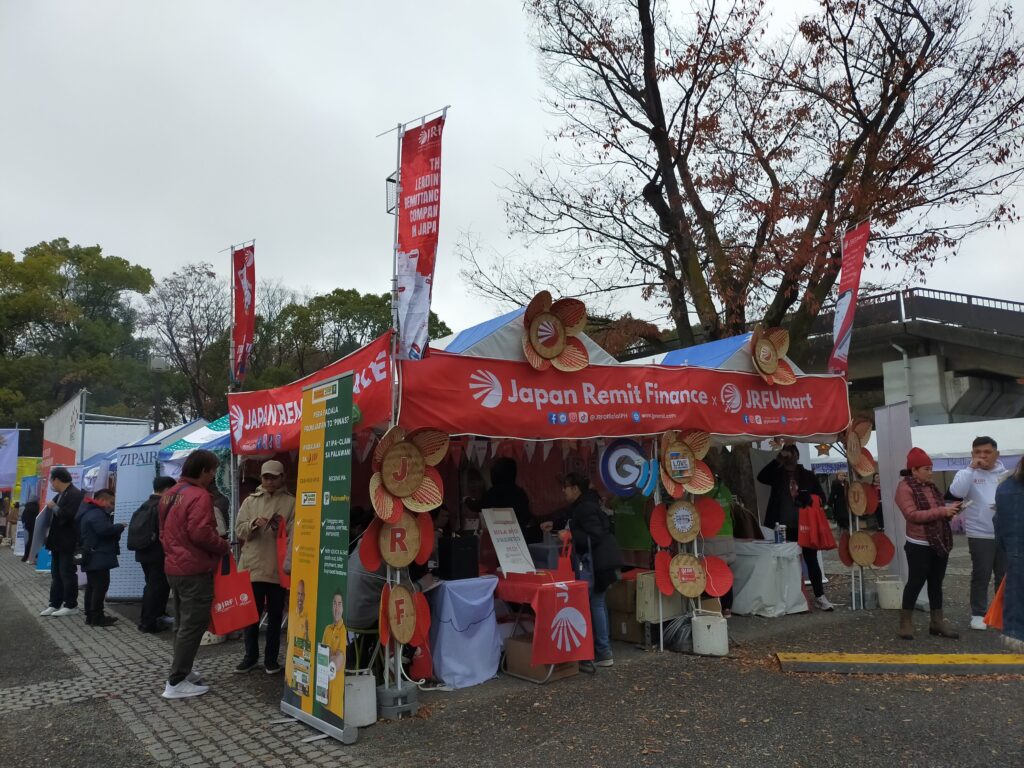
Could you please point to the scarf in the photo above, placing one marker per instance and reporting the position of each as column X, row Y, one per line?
column 938, row 532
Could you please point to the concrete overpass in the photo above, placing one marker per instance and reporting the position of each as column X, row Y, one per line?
column 956, row 357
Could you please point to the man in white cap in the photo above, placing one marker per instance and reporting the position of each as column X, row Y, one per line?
column 261, row 518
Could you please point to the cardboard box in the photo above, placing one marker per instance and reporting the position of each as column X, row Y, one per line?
column 625, row 627
column 621, row 597
column 647, row 601
column 518, row 651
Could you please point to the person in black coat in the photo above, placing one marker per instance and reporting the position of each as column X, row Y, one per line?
column 599, row 557
column 151, row 558
column 28, row 520
column 792, row 486
column 99, row 536
column 837, row 500
column 61, row 540
column 505, row 494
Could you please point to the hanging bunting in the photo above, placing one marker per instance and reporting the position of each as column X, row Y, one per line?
column 528, row 448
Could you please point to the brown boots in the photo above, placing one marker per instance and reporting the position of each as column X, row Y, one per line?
column 906, row 630
column 939, row 626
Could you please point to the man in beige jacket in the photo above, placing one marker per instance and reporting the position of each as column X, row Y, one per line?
column 261, row 517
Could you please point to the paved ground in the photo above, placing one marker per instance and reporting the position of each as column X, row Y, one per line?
column 75, row 696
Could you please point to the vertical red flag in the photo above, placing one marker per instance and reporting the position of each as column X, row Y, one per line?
column 855, row 243
column 243, row 275
column 419, row 206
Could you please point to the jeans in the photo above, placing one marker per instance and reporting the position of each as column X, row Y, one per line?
column 269, row 598
column 924, row 564
column 987, row 559
column 96, row 586
column 63, row 580
column 193, row 598
column 154, row 595
column 598, row 615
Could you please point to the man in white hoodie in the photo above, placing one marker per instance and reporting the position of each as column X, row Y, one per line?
column 976, row 485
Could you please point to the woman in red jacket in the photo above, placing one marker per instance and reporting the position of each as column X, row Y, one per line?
column 929, row 541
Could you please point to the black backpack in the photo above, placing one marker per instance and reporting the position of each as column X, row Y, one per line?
column 144, row 529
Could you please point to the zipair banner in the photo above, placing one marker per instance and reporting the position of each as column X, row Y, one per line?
column 268, row 420
column 855, row 244
column 243, row 276
column 506, row 398
column 314, row 689
column 419, row 210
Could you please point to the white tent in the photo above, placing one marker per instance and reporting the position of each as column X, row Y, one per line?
column 949, row 445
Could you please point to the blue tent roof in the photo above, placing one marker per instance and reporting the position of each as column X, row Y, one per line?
column 710, row 355
column 477, row 333
column 97, row 459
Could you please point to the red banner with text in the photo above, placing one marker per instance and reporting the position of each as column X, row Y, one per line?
column 269, row 420
column 243, row 275
column 855, row 244
column 419, row 208
column 505, row 398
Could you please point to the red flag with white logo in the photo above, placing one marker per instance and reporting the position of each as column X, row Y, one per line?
column 243, row 276
column 419, row 206
column 562, row 630
column 855, row 243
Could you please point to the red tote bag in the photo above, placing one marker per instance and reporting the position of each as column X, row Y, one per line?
column 234, row 605
column 815, row 532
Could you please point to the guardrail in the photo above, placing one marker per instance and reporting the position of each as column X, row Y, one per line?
column 927, row 305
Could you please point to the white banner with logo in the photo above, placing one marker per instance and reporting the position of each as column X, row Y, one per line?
column 136, row 470
column 8, row 458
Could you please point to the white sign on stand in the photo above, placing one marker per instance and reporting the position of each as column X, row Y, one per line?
column 507, row 537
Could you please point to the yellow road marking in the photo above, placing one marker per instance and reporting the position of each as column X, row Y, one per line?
column 1007, row 659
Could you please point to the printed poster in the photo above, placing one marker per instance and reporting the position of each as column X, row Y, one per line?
column 855, row 243
column 507, row 538
column 317, row 637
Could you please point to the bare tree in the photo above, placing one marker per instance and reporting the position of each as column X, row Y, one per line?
column 189, row 314
column 717, row 168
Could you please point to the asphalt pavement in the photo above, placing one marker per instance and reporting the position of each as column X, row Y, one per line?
column 77, row 696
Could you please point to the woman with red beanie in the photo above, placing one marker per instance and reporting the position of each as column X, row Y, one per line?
column 929, row 541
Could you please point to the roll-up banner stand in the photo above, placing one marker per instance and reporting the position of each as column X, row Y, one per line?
column 314, row 690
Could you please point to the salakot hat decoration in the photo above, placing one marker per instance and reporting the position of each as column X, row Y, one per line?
column 404, row 617
column 404, row 474
column 866, row 549
column 768, row 348
column 409, row 539
column 682, row 468
column 551, row 331
column 855, row 438
column 862, row 499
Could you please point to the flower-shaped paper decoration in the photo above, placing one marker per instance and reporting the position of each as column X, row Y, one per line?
column 719, row 575
column 401, row 612
column 659, row 526
column 681, row 465
column 550, row 334
column 768, row 349
column 404, row 474
column 683, row 573
column 683, row 521
column 856, row 437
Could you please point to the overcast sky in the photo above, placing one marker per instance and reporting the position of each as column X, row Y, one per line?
column 164, row 131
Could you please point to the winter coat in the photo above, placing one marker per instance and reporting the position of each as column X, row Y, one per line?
column 978, row 486
column 916, row 517
column 1009, row 529
column 188, row 532
column 259, row 545
column 99, row 536
column 592, row 535
column 782, row 507
column 63, row 537
column 29, row 515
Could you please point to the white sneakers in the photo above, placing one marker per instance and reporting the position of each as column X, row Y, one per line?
column 822, row 604
column 183, row 690
column 978, row 622
column 65, row 612
column 48, row 611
